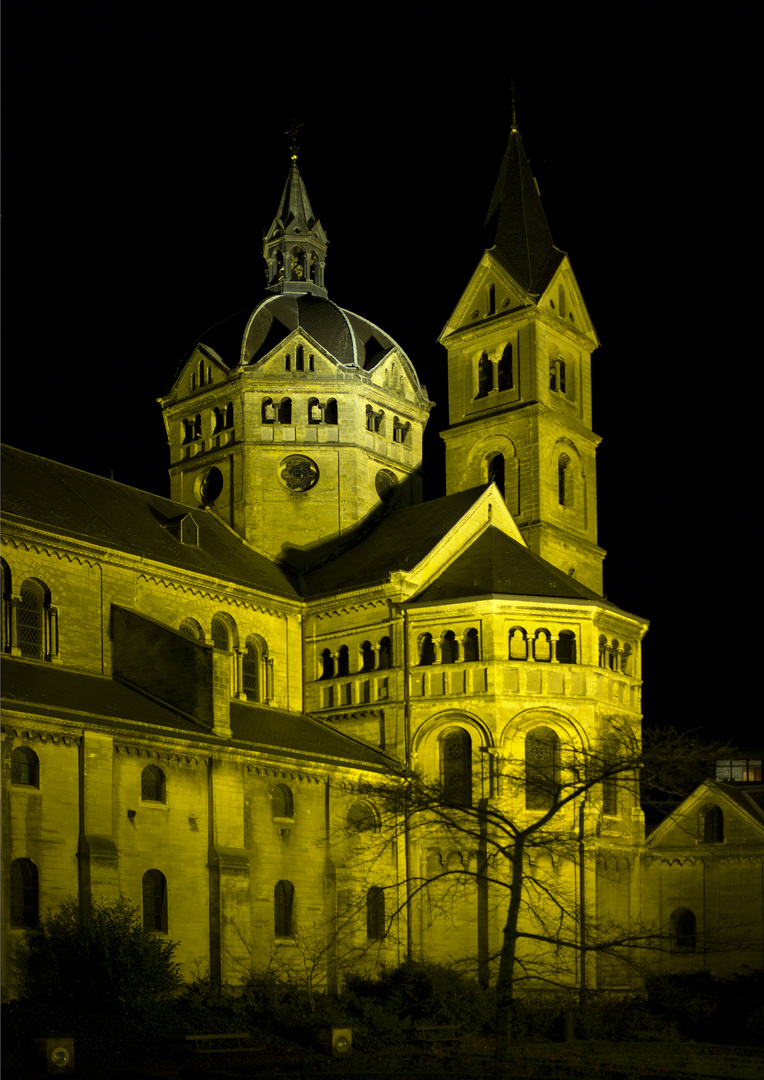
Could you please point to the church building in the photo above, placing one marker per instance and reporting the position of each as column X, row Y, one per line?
column 200, row 692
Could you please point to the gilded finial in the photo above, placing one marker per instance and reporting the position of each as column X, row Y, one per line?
column 514, row 110
column 293, row 132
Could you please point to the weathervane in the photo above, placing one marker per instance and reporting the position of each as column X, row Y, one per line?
column 293, row 132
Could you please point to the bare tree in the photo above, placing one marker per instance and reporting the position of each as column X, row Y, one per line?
column 543, row 812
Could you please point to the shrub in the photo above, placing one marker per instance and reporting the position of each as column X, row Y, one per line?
column 98, row 958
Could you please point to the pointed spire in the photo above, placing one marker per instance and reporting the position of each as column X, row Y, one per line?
column 294, row 247
column 517, row 232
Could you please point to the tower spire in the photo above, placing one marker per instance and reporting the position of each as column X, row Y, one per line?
column 294, row 248
column 517, row 232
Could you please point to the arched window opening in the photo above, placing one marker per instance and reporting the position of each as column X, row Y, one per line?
column 613, row 654
column 496, row 472
column 269, row 411
column 367, row 656
column 343, row 660
column 315, row 412
column 485, row 375
column 369, row 418
column 713, row 825
column 557, row 375
column 300, row 358
column 282, row 802
column 155, row 901
column 361, row 818
column 609, row 776
column 449, row 648
column 505, row 373
column 561, row 299
column 375, row 913
column 330, row 412
column 25, row 894
column 401, row 431
column 433, row 864
column 426, row 650
column 456, row 767
column 298, row 264
column 518, row 644
column 565, row 649
column 221, row 634
column 201, row 373
column 190, row 628
column 683, row 930
column 327, row 664
column 491, row 300
column 626, row 659
column 229, row 414
column 541, row 769
column 311, row 362
column 197, row 426
column 471, row 645
column 285, row 411
column 379, row 422
column 564, row 481
column 542, row 646
column 153, row 784
column 30, row 625
column 25, row 767
column 218, row 420
column 283, row 904
column 385, row 654
column 250, row 683
column 288, row 362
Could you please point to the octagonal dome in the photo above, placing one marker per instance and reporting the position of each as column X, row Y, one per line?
column 350, row 339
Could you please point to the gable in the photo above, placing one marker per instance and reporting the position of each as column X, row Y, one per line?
column 563, row 301
column 742, row 821
column 296, row 352
column 202, row 369
column 395, row 374
column 490, row 292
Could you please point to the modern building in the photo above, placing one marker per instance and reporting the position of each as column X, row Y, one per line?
column 201, row 692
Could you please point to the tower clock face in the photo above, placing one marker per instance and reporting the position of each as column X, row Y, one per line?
column 299, row 473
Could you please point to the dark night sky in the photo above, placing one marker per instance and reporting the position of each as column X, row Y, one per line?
column 144, row 155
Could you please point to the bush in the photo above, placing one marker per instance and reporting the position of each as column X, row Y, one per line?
column 100, row 958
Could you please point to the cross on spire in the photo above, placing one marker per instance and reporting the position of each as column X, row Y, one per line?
column 293, row 132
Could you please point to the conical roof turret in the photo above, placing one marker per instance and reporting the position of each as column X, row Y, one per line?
column 517, row 232
column 294, row 247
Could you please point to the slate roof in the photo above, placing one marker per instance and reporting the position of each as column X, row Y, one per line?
column 516, row 225
column 50, row 692
column 398, row 542
column 91, row 508
column 495, row 564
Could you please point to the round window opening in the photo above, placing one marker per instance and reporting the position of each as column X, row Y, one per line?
column 385, row 483
column 299, row 473
column 210, row 486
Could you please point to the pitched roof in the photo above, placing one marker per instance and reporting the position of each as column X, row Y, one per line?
column 495, row 564
column 48, row 692
column 398, row 542
column 93, row 509
column 516, row 227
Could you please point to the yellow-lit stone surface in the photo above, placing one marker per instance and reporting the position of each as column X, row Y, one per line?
column 293, row 624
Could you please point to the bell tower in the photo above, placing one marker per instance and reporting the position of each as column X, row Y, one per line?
column 297, row 420
column 519, row 375
column 294, row 247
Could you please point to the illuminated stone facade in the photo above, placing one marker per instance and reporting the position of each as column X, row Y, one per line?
column 195, row 688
